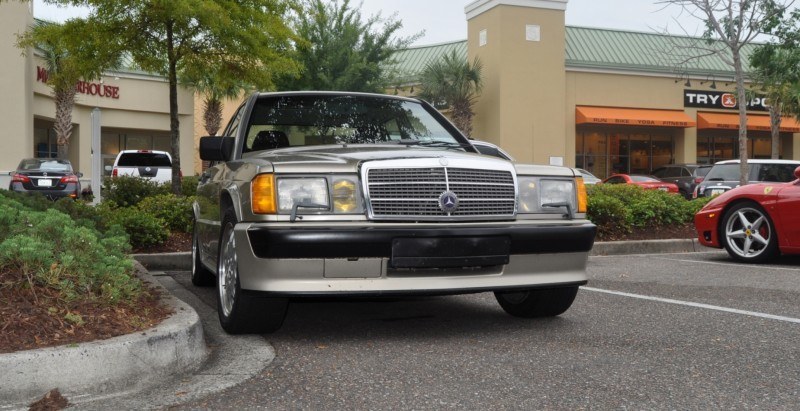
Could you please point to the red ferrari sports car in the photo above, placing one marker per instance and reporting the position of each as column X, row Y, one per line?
column 754, row 222
column 646, row 182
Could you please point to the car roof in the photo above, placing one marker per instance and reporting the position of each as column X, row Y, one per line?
column 335, row 93
column 759, row 161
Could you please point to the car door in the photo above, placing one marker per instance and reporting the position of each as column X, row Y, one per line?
column 787, row 206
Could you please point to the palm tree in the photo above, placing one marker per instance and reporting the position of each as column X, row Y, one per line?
column 75, row 50
column 455, row 82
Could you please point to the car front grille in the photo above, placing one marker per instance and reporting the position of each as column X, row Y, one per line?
column 416, row 193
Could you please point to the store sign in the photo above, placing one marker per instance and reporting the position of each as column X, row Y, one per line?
column 84, row 87
column 720, row 100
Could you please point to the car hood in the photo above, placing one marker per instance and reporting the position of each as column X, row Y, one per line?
column 347, row 159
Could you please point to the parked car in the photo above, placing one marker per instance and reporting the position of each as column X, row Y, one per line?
column 685, row 176
column 724, row 175
column 588, row 178
column 50, row 177
column 342, row 194
column 150, row 164
column 754, row 222
column 646, row 182
column 488, row 149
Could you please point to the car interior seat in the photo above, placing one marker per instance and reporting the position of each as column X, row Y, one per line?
column 269, row 139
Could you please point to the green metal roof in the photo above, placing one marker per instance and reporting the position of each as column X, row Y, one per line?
column 649, row 52
column 606, row 49
column 409, row 63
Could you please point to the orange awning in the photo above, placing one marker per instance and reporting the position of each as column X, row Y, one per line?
column 727, row 121
column 632, row 117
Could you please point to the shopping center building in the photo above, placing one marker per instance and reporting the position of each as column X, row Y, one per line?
column 604, row 100
column 600, row 99
column 133, row 108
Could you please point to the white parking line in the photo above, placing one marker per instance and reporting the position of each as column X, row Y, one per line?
column 739, row 265
column 696, row 305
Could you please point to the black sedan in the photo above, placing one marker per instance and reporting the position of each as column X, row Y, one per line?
column 47, row 176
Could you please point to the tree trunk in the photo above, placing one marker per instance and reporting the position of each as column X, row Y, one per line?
column 212, row 115
column 65, row 101
column 741, row 99
column 174, row 123
column 775, row 128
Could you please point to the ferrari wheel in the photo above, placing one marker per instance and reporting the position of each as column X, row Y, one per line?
column 748, row 233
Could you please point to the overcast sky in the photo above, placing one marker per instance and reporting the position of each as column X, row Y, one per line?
column 444, row 20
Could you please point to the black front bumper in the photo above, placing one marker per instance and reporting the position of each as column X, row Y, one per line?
column 491, row 244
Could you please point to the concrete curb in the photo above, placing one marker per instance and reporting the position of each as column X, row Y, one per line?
column 165, row 261
column 108, row 367
column 688, row 245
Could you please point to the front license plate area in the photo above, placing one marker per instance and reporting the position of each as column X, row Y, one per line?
column 449, row 252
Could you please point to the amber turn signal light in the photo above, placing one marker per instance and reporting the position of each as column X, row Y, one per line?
column 263, row 194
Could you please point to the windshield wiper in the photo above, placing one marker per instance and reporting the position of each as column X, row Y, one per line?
column 431, row 143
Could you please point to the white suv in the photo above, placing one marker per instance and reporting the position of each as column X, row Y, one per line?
column 150, row 164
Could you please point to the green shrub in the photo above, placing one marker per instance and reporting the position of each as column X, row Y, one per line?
column 126, row 191
column 50, row 249
column 189, row 186
column 609, row 214
column 616, row 208
column 143, row 229
column 176, row 211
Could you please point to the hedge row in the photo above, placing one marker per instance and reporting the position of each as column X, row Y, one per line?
column 617, row 208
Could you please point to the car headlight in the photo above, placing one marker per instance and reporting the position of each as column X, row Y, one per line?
column 310, row 192
column 547, row 195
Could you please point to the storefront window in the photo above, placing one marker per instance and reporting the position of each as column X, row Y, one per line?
column 663, row 148
column 594, row 154
column 640, row 154
column 605, row 153
column 44, row 140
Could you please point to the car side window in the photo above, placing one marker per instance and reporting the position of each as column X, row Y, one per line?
column 776, row 172
column 685, row 172
column 660, row 172
column 233, row 125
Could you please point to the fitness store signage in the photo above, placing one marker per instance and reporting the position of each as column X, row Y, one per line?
column 721, row 99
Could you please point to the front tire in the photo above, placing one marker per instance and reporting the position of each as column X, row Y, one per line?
column 240, row 313
column 201, row 276
column 748, row 234
column 548, row 302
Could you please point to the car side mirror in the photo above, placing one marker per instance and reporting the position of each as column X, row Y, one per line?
column 214, row 148
column 797, row 172
column 80, row 175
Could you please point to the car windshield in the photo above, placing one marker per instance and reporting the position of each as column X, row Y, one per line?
column 643, row 179
column 144, row 160
column 702, row 171
column 723, row 172
column 308, row 120
column 41, row 164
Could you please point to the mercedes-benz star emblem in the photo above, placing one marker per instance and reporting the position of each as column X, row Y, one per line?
column 448, row 201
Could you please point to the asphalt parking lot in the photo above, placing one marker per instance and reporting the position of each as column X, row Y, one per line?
column 667, row 331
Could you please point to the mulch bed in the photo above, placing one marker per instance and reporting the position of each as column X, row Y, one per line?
column 37, row 317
